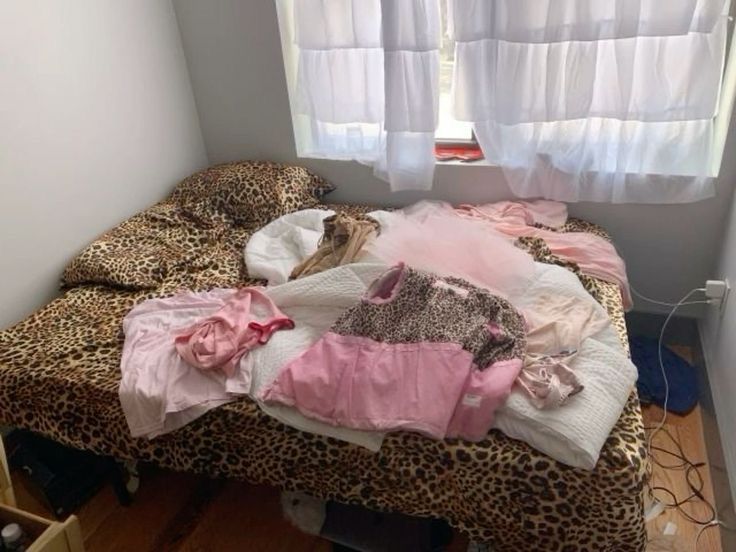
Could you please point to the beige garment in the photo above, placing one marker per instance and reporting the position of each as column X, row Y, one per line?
column 342, row 241
column 557, row 325
column 560, row 323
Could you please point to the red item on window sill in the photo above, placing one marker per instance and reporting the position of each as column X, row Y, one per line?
column 461, row 153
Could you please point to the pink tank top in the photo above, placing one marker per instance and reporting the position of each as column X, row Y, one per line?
column 247, row 319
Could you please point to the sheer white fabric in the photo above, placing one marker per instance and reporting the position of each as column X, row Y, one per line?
column 545, row 21
column 600, row 100
column 367, row 84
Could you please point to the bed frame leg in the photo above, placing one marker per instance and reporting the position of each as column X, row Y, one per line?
column 125, row 480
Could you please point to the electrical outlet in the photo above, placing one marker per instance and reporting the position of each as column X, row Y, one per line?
column 718, row 291
column 725, row 295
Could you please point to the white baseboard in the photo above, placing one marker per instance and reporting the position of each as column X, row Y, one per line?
column 724, row 410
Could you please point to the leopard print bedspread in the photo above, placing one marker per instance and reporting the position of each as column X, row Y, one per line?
column 59, row 376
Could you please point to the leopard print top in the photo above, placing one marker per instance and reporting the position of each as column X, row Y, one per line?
column 423, row 307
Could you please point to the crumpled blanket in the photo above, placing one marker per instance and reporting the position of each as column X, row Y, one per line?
column 573, row 434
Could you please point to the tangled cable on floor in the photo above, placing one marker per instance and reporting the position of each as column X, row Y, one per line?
column 684, row 463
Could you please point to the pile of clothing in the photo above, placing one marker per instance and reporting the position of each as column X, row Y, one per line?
column 429, row 319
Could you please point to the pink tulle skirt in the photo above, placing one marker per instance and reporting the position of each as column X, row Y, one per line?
column 431, row 237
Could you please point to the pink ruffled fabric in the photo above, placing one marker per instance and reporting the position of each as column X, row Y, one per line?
column 431, row 237
column 594, row 255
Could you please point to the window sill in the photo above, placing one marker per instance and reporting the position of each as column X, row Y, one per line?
column 461, row 163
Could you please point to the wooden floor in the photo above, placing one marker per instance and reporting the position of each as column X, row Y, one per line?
column 175, row 511
column 688, row 432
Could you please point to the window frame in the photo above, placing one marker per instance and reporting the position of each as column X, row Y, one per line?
column 722, row 122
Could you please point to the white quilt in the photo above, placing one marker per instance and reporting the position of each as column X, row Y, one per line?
column 572, row 434
column 575, row 432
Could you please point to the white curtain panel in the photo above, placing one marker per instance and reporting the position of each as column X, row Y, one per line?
column 544, row 21
column 593, row 100
column 367, row 84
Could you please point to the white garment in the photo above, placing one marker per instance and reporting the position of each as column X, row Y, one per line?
column 613, row 101
column 364, row 83
column 159, row 392
column 276, row 249
column 273, row 251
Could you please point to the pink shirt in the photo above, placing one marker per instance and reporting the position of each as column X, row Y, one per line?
column 162, row 390
column 220, row 340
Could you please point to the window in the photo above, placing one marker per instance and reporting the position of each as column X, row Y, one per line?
column 613, row 102
column 449, row 130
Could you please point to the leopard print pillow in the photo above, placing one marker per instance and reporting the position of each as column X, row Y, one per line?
column 249, row 192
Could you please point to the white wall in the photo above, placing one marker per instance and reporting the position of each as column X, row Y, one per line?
column 718, row 337
column 97, row 121
column 234, row 55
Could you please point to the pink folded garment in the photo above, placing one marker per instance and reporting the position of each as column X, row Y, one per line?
column 557, row 326
column 246, row 320
column 594, row 255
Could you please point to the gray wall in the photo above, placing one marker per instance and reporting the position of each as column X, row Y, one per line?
column 234, row 55
column 718, row 336
column 97, row 121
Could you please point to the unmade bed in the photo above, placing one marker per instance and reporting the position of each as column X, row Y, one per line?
column 60, row 372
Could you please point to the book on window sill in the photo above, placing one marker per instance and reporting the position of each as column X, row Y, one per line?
column 460, row 152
